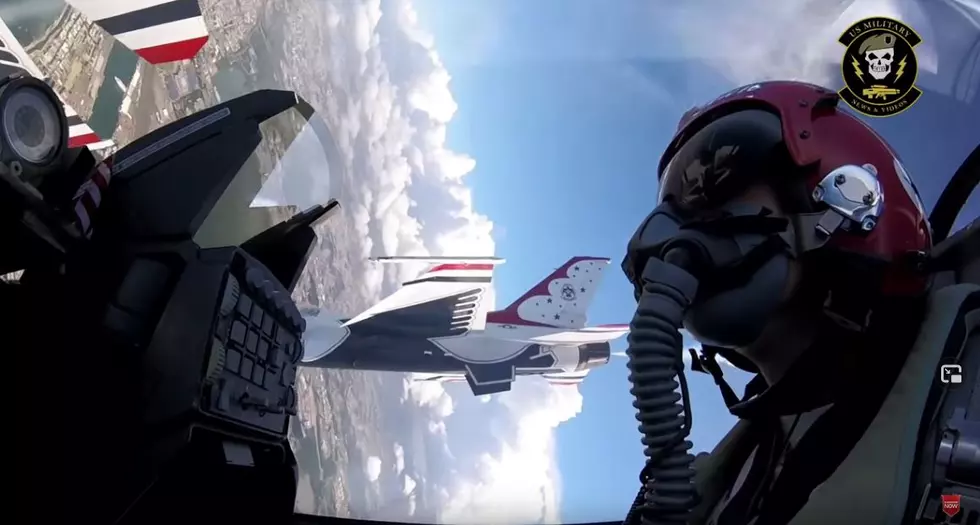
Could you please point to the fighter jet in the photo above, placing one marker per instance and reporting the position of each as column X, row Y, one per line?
column 442, row 326
column 158, row 31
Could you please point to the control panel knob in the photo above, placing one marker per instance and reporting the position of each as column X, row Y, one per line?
column 216, row 361
column 267, row 290
column 230, row 297
column 297, row 352
column 279, row 302
column 253, row 278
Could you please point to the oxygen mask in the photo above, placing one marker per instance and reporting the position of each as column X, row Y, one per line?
column 719, row 273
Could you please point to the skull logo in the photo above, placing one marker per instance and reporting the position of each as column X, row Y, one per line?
column 880, row 62
column 879, row 53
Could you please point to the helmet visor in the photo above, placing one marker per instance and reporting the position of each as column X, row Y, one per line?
column 723, row 159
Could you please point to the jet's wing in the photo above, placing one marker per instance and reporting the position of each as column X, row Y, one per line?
column 159, row 31
column 14, row 59
column 441, row 281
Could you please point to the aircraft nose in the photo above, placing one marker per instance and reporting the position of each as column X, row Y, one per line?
column 593, row 355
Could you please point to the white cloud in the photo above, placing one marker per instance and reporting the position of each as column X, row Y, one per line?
column 405, row 191
column 372, row 468
column 399, row 459
column 432, row 394
column 408, row 485
column 437, row 428
column 521, row 468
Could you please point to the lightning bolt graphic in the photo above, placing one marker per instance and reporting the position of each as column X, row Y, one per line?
column 901, row 68
column 857, row 68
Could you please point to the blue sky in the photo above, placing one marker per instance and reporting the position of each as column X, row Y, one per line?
column 567, row 122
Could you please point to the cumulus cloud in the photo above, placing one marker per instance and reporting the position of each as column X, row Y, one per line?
column 496, row 448
column 516, row 464
column 408, row 485
column 399, row 459
column 437, row 428
column 404, row 192
column 432, row 395
column 372, row 468
column 407, row 188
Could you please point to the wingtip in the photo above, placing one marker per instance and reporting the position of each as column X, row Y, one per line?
column 173, row 51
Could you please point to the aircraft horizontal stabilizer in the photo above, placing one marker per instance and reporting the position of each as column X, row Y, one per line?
column 469, row 282
column 159, row 31
column 438, row 260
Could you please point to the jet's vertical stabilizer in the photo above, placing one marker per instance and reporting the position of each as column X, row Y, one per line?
column 561, row 300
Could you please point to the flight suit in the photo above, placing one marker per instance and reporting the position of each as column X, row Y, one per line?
column 922, row 442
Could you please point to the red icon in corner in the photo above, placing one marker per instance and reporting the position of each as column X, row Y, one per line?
column 951, row 504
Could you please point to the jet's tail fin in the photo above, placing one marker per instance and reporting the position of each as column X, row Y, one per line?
column 561, row 300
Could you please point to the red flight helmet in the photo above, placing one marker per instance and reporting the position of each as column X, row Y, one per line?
column 817, row 139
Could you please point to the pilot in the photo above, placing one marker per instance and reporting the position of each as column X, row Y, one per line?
column 845, row 418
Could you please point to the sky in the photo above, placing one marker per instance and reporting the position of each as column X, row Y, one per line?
column 566, row 106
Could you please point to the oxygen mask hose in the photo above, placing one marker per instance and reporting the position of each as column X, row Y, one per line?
column 656, row 373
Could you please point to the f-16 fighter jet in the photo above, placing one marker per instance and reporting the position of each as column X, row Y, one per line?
column 442, row 326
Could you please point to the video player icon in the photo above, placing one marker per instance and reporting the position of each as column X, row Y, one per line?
column 951, row 374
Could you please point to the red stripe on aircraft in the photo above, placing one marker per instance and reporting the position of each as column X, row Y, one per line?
column 183, row 50
column 81, row 140
column 461, row 266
